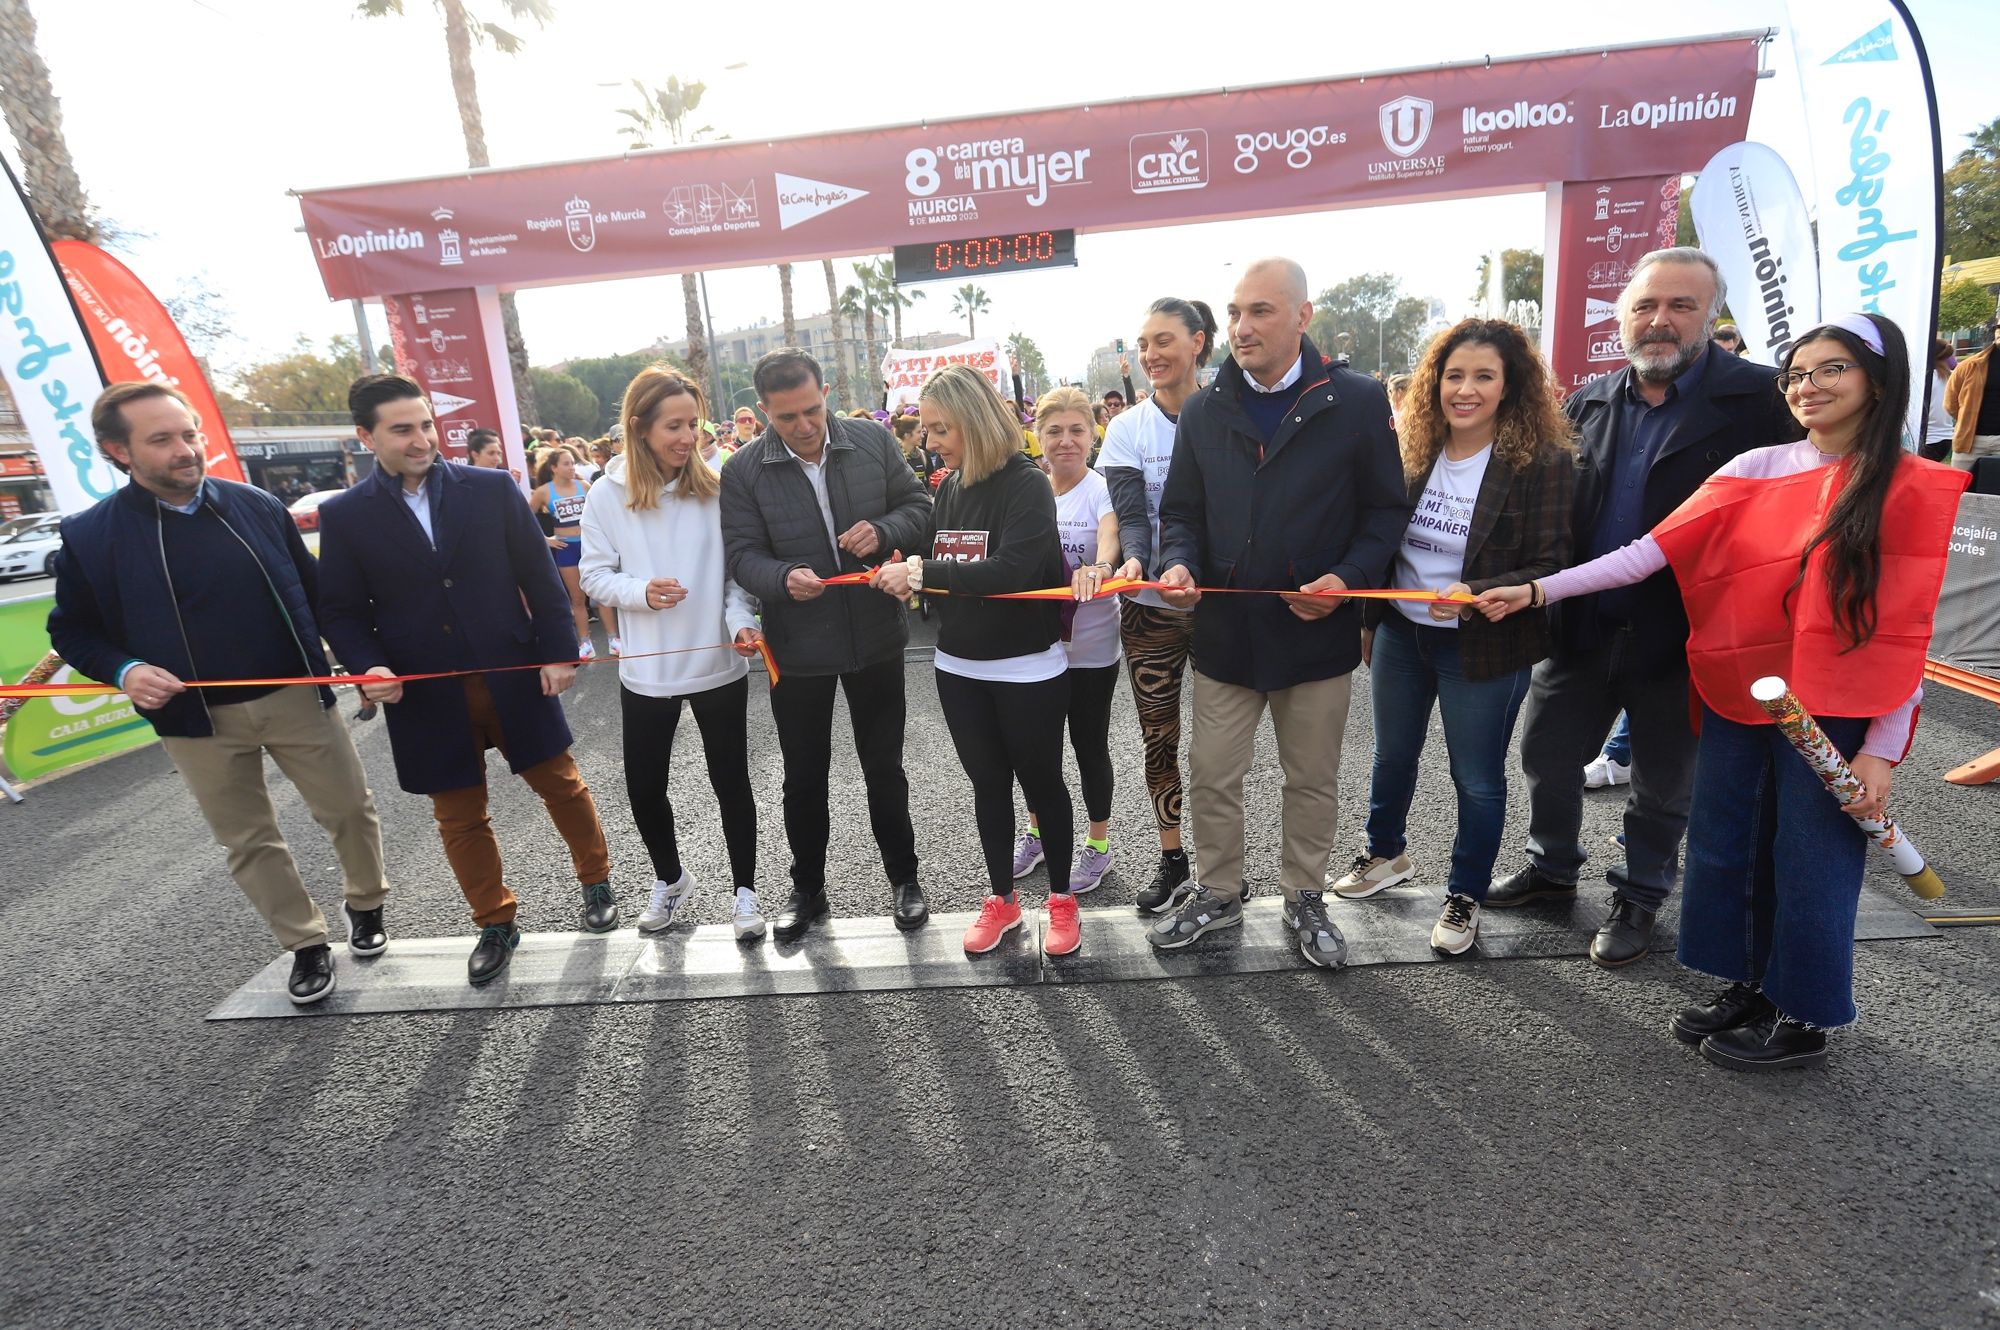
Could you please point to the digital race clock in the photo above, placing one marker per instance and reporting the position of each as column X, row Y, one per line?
column 1019, row 251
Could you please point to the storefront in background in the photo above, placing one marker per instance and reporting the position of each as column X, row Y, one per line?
column 22, row 488
column 290, row 468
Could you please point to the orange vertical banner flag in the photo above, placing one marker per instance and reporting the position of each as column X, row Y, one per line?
column 136, row 339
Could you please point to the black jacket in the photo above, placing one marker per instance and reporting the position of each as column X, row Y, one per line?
column 1014, row 509
column 115, row 603
column 1326, row 495
column 1736, row 407
column 771, row 524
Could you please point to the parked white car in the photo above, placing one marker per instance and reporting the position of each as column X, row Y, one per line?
column 30, row 553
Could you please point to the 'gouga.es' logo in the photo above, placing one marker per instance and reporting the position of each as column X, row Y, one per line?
column 1162, row 163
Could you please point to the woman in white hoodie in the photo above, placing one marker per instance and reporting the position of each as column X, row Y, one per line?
column 652, row 547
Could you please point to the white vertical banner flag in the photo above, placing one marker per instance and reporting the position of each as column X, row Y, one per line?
column 1752, row 221
column 46, row 358
column 1872, row 120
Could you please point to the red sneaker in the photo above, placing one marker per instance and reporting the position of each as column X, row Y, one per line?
column 997, row 918
column 1065, row 933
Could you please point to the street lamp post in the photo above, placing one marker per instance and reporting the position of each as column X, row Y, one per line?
column 1381, row 347
column 714, row 353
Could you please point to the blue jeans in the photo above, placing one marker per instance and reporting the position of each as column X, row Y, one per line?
column 1413, row 666
column 1619, row 746
column 1773, row 870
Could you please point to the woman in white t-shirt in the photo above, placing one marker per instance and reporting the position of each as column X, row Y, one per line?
column 1174, row 343
column 1489, row 460
column 1088, row 530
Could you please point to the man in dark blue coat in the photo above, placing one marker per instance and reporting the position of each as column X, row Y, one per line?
column 427, row 568
column 179, row 576
column 1285, row 478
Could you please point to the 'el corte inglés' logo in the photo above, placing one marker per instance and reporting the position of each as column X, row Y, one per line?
column 801, row 199
column 1162, row 163
column 1597, row 311
column 1406, row 125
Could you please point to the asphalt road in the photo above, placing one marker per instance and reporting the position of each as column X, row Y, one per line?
column 1509, row 1143
column 27, row 588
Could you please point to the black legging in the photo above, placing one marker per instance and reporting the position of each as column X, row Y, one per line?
column 649, row 755
column 1006, row 732
column 1090, row 692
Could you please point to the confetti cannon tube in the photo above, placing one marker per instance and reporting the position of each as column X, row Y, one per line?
column 1798, row 726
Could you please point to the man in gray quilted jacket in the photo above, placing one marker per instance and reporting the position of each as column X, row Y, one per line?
column 816, row 495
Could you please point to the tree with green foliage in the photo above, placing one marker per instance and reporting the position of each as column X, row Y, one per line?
column 1972, row 199
column 307, row 380
column 663, row 112
column 1520, row 276
column 1964, row 304
column 566, row 404
column 1372, row 321
column 970, row 300
column 1034, row 371
column 607, row 377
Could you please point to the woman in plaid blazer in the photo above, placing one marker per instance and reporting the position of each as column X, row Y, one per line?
column 1490, row 464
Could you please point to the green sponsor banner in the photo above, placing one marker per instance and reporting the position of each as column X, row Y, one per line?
column 51, row 733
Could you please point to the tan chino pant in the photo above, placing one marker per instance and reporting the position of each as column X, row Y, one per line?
column 1310, row 720
column 312, row 747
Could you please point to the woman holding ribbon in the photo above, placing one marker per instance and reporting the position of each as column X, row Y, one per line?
column 652, row 547
column 1002, row 675
column 1175, row 341
column 1820, row 562
column 559, row 494
column 1088, row 529
column 1489, row 462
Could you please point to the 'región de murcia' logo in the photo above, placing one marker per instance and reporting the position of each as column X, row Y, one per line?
column 579, row 225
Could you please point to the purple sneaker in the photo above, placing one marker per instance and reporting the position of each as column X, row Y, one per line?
column 1027, row 854
column 1088, row 870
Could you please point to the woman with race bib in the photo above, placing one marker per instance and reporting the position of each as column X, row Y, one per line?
column 560, row 493
column 1002, row 675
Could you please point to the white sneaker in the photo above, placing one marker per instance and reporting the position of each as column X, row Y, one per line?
column 1372, row 873
column 1604, row 773
column 617, row 647
column 749, row 919
column 665, row 903
column 1457, row 927
column 585, row 651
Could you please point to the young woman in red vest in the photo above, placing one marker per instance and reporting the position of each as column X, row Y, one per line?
column 1818, row 561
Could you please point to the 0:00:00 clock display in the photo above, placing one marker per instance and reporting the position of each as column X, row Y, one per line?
column 995, row 251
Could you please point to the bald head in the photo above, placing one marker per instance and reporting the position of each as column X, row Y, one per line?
column 1268, row 317
column 1282, row 275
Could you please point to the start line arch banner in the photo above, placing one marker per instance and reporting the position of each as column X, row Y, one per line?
column 1463, row 130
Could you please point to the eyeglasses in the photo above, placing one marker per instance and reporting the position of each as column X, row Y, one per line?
column 1823, row 376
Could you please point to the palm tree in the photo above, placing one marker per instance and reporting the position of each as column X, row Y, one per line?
column 665, row 110
column 970, row 300
column 856, row 304
column 459, row 34
column 785, row 291
column 1034, row 371
column 894, row 298
column 33, row 113
column 833, row 318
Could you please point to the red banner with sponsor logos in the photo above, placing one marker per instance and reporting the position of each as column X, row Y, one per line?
column 1607, row 226
column 137, row 339
column 1508, row 125
column 440, row 341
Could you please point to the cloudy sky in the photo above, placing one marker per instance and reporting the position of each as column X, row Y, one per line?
column 193, row 134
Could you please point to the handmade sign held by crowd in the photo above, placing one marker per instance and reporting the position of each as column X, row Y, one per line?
column 904, row 372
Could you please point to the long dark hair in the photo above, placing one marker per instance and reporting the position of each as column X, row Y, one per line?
column 1196, row 317
column 1853, row 529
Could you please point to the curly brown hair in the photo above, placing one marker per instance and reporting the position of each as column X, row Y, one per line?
column 1530, row 420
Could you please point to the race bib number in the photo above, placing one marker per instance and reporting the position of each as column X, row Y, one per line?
column 959, row 546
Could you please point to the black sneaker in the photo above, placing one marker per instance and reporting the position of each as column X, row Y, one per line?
column 312, row 975
column 495, row 949
column 364, row 931
column 1165, row 890
column 600, row 908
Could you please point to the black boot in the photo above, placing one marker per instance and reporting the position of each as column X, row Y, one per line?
column 1625, row 937
column 910, row 909
column 1736, row 1005
column 1164, row 890
column 1529, row 884
column 801, row 908
column 490, row 957
column 1772, row 1042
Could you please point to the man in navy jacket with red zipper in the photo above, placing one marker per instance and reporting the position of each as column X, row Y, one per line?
column 1286, row 477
